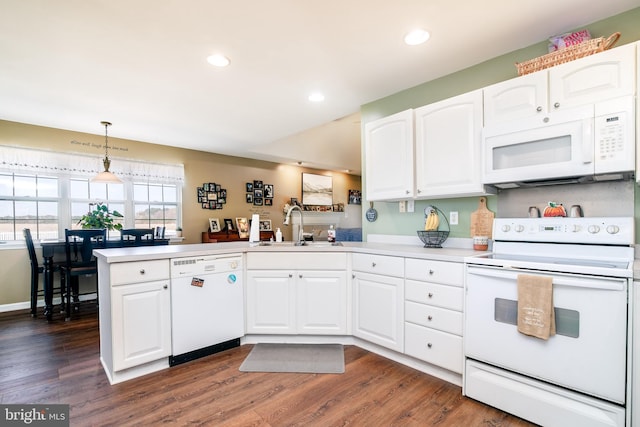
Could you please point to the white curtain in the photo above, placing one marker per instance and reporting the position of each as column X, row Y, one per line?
column 18, row 159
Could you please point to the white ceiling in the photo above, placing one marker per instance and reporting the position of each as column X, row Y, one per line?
column 141, row 64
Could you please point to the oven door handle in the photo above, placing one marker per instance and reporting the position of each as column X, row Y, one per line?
column 605, row 283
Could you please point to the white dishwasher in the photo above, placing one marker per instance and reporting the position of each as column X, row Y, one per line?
column 207, row 306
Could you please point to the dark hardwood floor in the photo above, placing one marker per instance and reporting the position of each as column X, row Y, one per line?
column 58, row 362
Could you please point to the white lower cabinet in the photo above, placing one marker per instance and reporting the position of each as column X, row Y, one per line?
column 433, row 312
column 135, row 317
column 142, row 326
column 305, row 301
column 378, row 295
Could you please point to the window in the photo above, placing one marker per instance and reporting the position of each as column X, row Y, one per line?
column 155, row 205
column 49, row 192
column 28, row 201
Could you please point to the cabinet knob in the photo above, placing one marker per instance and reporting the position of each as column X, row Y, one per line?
column 373, row 264
column 300, row 276
column 431, row 272
column 556, row 105
column 429, row 317
column 429, row 345
column 165, row 287
column 142, row 271
column 290, row 274
column 406, row 192
column 419, row 191
column 353, row 275
column 430, row 294
column 539, row 109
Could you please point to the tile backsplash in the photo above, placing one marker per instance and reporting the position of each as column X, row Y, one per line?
column 613, row 198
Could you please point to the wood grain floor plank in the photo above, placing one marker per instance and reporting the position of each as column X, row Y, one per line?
column 58, row 362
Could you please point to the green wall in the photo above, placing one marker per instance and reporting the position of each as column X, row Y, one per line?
column 390, row 221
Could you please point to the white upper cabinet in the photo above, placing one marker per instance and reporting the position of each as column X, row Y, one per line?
column 389, row 157
column 605, row 75
column 516, row 98
column 588, row 80
column 448, row 147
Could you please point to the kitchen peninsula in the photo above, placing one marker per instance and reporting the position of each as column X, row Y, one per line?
column 357, row 296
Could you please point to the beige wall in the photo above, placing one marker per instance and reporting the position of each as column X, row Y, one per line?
column 231, row 172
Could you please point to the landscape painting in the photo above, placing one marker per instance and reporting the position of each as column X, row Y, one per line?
column 317, row 190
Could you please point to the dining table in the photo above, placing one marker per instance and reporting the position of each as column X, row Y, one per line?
column 54, row 250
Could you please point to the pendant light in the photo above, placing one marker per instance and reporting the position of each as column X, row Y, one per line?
column 106, row 176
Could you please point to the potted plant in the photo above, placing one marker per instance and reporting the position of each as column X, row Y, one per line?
column 101, row 217
column 178, row 231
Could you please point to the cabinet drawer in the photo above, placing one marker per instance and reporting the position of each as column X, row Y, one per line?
column 139, row 271
column 433, row 317
column 450, row 297
column 449, row 273
column 379, row 264
column 439, row 348
column 296, row 261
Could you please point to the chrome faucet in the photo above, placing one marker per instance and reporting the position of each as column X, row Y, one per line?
column 300, row 231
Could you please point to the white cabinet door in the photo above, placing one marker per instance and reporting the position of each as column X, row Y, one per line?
column 595, row 78
column 448, row 147
column 379, row 309
column 271, row 302
column 389, row 157
column 322, row 302
column 141, row 323
column 517, row 98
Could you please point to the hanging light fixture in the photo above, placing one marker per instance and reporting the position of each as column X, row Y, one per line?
column 106, row 176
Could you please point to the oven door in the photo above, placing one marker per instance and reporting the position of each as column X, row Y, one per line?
column 588, row 352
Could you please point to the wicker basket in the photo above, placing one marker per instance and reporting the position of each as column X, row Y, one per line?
column 567, row 54
column 435, row 238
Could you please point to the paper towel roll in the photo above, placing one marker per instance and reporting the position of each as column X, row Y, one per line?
column 254, row 235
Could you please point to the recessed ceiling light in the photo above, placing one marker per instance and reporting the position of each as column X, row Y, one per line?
column 416, row 37
column 316, row 97
column 218, row 60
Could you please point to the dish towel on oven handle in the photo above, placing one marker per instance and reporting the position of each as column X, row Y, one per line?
column 536, row 316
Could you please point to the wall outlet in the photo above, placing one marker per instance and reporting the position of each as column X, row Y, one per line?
column 453, row 218
column 402, row 206
column 410, row 206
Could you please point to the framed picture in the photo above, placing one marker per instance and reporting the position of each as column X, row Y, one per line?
column 317, row 190
column 355, row 197
column 257, row 193
column 268, row 191
column 249, row 198
column 265, row 225
column 268, row 202
column 257, row 201
column 257, row 185
column 243, row 227
column 249, row 187
column 228, row 224
column 214, row 225
column 294, row 201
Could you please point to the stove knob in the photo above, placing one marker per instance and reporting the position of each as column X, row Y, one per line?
column 613, row 229
column 593, row 229
column 506, row 228
column 519, row 228
column 576, row 228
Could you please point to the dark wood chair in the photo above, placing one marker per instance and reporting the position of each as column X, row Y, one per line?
column 137, row 237
column 36, row 271
column 79, row 246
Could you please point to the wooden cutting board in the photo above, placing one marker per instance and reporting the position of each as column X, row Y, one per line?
column 482, row 220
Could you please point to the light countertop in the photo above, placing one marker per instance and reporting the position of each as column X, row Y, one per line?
column 189, row 250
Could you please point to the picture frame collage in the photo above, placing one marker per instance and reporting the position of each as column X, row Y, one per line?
column 259, row 194
column 212, row 196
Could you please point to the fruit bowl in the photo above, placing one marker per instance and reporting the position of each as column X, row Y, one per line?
column 433, row 239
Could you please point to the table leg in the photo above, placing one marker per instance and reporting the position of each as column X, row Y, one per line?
column 48, row 287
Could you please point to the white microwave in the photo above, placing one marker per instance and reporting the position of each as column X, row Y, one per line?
column 591, row 142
